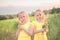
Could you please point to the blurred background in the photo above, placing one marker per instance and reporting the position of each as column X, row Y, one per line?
column 10, row 8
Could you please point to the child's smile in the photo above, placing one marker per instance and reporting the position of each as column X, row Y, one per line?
column 23, row 18
column 38, row 16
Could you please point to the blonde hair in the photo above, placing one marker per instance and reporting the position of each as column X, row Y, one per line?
column 24, row 13
column 38, row 10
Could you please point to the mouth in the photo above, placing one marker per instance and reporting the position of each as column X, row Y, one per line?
column 22, row 21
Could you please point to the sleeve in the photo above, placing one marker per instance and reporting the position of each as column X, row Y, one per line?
column 16, row 19
column 18, row 26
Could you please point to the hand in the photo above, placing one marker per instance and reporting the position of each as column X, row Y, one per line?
column 45, row 29
column 30, row 28
column 34, row 29
column 21, row 28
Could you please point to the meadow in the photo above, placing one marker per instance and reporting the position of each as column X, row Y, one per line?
column 8, row 28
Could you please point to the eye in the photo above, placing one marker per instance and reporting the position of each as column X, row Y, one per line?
column 40, row 14
column 23, row 16
column 37, row 15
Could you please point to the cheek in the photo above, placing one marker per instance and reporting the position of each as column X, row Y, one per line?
column 36, row 18
column 39, row 19
column 20, row 19
column 25, row 19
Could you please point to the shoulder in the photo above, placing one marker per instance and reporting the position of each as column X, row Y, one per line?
column 33, row 22
column 17, row 20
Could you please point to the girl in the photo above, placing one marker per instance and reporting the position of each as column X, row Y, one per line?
column 24, row 31
column 40, row 29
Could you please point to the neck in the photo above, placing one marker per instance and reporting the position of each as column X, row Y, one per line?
column 24, row 22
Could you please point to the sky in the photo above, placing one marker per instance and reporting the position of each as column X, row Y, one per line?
column 27, row 4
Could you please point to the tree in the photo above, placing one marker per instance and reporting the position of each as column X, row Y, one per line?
column 54, row 10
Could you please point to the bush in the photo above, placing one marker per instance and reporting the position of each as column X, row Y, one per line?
column 54, row 27
column 11, row 17
column 3, row 17
column 54, row 10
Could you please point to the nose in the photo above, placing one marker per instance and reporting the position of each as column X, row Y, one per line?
column 22, row 18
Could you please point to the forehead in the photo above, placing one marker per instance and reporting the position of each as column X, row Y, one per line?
column 38, row 12
column 23, row 14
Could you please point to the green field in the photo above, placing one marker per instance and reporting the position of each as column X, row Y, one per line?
column 9, row 27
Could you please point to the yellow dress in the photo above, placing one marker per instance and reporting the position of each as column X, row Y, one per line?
column 40, row 35
column 23, row 35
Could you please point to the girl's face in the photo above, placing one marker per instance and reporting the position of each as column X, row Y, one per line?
column 23, row 17
column 38, row 15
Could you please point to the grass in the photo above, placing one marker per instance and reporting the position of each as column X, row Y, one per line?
column 8, row 28
column 8, row 25
column 54, row 27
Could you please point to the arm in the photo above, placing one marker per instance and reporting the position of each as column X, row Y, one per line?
column 29, row 31
column 18, row 30
column 45, row 28
column 37, row 31
column 45, row 25
column 41, row 30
